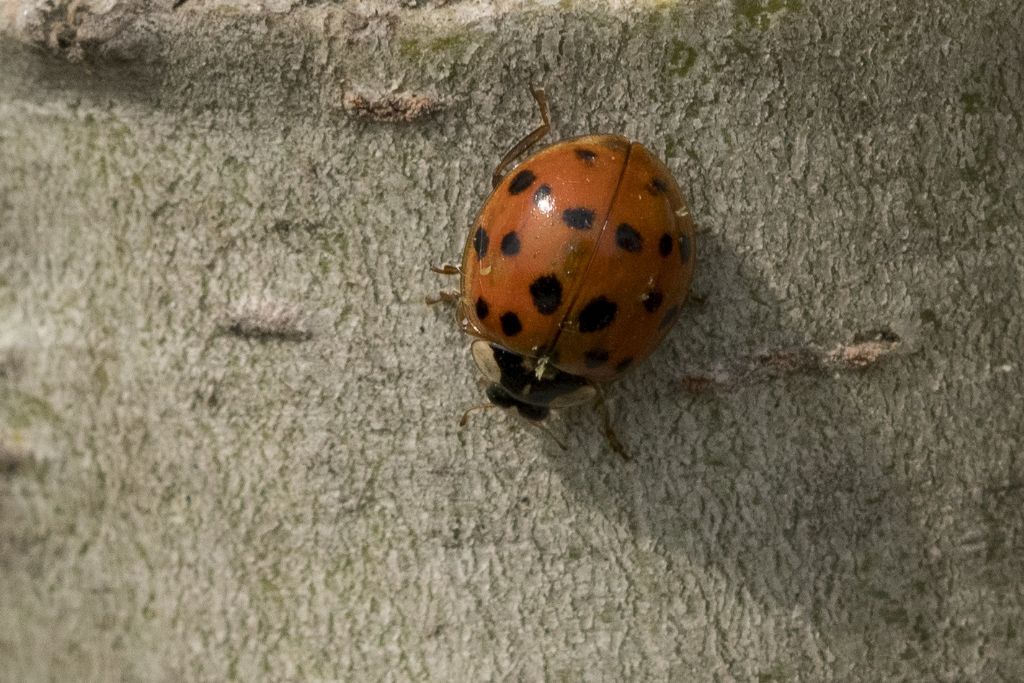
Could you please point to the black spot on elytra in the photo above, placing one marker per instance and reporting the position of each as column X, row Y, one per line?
column 652, row 300
column 480, row 242
column 541, row 195
column 684, row 248
column 510, row 244
column 547, row 294
column 579, row 219
column 588, row 157
column 598, row 314
column 482, row 309
column 595, row 358
column 623, row 364
column 657, row 186
column 510, row 324
column 521, row 181
column 665, row 244
column 628, row 238
column 670, row 317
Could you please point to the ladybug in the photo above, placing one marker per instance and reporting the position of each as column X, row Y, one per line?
column 574, row 270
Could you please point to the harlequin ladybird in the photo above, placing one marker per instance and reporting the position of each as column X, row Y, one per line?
column 574, row 270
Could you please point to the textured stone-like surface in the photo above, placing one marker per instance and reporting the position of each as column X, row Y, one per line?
column 228, row 424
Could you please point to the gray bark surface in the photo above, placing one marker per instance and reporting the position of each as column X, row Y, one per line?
column 229, row 440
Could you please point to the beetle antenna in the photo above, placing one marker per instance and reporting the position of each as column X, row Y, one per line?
column 481, row 406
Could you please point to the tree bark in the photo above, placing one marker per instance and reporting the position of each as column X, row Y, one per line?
column 229, row 440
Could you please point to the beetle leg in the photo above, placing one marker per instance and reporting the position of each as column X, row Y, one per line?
column 446, row 269
column 446, row 295
column 528, row 141
column 547, row 430
column 609, row 431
